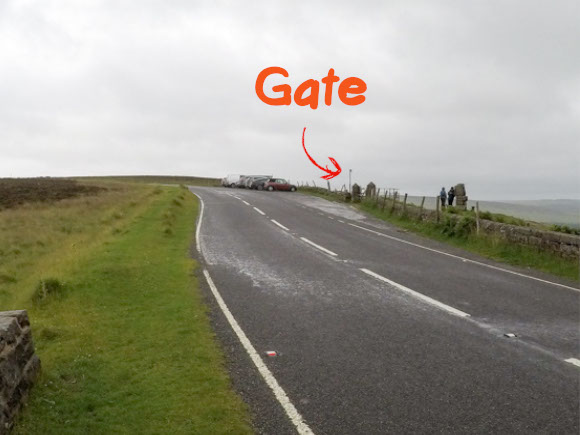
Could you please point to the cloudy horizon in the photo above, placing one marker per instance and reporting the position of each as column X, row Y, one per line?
column 485, row 93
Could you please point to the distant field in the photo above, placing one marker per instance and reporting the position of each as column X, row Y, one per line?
column 158, row 179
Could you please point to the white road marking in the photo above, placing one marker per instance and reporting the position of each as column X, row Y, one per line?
column 330, row 217
column 318, row 246
column 260, row 211
column 418, row 295
column 245, row 202
column 197, row 240
column 280, row 394
column 291, row 411
column 280, row 225
column 464, row 259
column 574, row 361
column 341, row 221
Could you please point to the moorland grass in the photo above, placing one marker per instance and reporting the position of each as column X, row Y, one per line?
column 52, row 240
column 157, row 179
column 125, row 342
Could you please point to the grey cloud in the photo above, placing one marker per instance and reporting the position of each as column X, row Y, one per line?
column 481, row 92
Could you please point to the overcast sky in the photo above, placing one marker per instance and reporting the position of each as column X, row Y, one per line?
column 481, row 92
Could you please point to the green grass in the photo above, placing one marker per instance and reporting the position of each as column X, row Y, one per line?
column 44, row 240
column 462, row 236
column 123, row 335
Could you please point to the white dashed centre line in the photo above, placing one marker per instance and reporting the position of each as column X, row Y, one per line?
column 418, row 295
column 574, row 361
column 260, row 211
column 323, row 249
column 330, row 217
column 280, row 225
column 245, row 202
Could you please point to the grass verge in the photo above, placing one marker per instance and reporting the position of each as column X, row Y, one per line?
column 462, row 236
column 485, row 245
column 124, row 338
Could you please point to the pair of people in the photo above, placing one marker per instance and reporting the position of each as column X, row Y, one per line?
column 447, row 196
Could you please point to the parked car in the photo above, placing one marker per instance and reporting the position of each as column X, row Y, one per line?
column 252, row 178
column 241, row 183
column 258, row 182
column 279, row 184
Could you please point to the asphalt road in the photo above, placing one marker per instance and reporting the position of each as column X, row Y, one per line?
column 380, row 331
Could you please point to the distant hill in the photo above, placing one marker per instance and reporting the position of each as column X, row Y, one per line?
column 550, row 211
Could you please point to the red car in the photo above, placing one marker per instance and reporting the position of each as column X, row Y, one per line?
column 279, row 184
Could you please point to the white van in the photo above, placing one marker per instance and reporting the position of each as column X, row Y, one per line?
column 231, row 180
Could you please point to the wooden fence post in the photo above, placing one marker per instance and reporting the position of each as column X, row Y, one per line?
column 437, row 205
column 384, row 200
column 421, row 209
column 328, row 183
column 394, row 200
column 378, row 194
column 405, row 205
column 477, row 217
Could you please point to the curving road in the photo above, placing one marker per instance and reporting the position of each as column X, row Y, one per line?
column 379, row 331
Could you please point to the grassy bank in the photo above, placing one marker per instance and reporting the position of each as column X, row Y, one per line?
column 122, row 333
column 462, row 235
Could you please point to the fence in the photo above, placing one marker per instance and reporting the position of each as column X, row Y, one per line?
column 453, row 221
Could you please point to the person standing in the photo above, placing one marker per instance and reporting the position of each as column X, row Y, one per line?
column 451, row 196
column 443, row 196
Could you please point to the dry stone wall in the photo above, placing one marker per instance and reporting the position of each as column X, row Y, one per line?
column 562, row 244
column 565, row 245
column 19, row 365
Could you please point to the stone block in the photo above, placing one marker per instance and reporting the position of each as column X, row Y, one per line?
column 19, row 365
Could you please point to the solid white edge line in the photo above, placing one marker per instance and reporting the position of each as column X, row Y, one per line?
column 310, row 242
column 574, row 361
column 260, row 211
column 291, row 411
column 464, row 259
column 197, row 230
column 280, row 225
column 278, row 391
column 418, row 295
column 245, row 202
